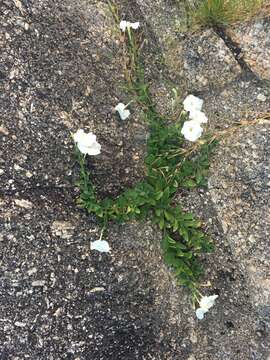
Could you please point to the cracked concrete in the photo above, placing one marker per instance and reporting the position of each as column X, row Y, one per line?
column 60, row 70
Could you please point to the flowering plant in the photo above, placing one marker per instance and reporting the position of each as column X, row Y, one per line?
column 86, row 143
column 122, row 111
column 192, row 129
column 205, row 303
column 128, row 25
column 168, row 167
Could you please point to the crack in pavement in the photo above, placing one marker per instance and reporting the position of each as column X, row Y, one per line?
column 236, row 52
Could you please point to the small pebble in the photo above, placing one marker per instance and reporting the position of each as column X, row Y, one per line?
column 19, row 324
column 261, row 97
column 32, row 271
column 28, row 174
column 17, row 167
column 38, row 283
column 97, row 289
column 23, row 203
column 4, row 130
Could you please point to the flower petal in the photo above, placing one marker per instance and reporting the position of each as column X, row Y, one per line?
column 198, row 116
column 87, row 143
column 94, row 150
column 135, row 25
column 123, row 112
column 207, row 302
column 90, row 138
column 200, row 313
column 120, row 107
column 78, row 135
column 127, row 24
column 123, row 25
column 191, row 130
column 192, row 103
column 100, row 245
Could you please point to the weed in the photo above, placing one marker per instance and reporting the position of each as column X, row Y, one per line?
column 223, row 12
column 169, row 167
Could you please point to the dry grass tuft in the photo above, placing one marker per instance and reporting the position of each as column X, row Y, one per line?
column 225, row 12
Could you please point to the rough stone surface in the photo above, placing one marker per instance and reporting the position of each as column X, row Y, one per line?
column 236, row 101
column 239, row 331
column 253, row 38
column 240, row 190
column 205, row 61
column 60, row 69
column 63, row 73
column 59, row 300
column 198, row 60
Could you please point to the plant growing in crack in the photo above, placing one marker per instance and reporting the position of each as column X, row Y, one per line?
column 167, row 170
column 223, row 12
column 171, row 164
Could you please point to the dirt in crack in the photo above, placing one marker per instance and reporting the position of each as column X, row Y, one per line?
column 235, row 50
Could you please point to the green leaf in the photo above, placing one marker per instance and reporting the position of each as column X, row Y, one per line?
column 184, row 233
column 158, row 212
column 168, row 216
column 175, row 225
column 161, row 223
column 193, row 224
column 166, row 194
column 189, row 183
column 159, row 195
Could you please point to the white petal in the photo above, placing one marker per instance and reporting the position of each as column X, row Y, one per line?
column 123, row 112
column 78, row 135
column 94, row 149
column 87, row 143
column 87, row 139
column 90, row 138
column 100, row 245
column 83, row 149
column 192, row 103
column 135, row 25
column 120, row 107
column 198, row 116
column 200, row 313
column 123, row 25
column 192, row 130
column 207, row 302
column 126, row 24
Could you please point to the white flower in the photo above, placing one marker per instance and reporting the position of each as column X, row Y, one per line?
column 192, row 130
column 198, row 116
column 126, row 24
column 192, row 103
column 206, row 303
column 87, row 143
column 100, row 245
column 123, row 112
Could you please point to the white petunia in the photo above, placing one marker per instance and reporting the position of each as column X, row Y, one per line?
column 191, row 130
column 200, row 313
column 192, row 103
column 100, row 245
column 126, row 24
column 205, row 303
column 122, row 111
column 198, row 116
column 87, row 143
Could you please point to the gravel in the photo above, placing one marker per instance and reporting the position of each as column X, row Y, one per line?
column 60, row 70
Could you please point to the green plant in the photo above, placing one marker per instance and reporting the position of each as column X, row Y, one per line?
column 170, row 166
column 223, row 12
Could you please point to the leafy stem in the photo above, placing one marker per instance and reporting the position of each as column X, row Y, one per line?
column 169, row 168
